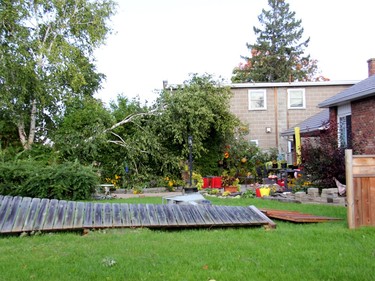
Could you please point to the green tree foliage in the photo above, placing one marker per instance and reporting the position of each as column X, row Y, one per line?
column 46, row 57
column 79, row 132
column 200, row 108
column 278, row 53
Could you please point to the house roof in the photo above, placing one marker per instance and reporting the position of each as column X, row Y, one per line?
column 362, row 89
column 312, row 124
column 291, row 84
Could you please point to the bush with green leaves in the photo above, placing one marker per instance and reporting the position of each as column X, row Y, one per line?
column 69, row 180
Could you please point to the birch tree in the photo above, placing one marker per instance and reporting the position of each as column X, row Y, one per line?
column 46, row 58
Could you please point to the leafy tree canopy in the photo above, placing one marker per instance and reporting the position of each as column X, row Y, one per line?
column 46, row 50
column 278, row 53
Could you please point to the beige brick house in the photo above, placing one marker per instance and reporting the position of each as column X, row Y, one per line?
column 271, row 108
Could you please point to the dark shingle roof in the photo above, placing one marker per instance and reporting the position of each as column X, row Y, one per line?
column 361, row 90
column 312, row 124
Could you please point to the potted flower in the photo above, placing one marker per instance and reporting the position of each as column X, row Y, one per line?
column 230, row 183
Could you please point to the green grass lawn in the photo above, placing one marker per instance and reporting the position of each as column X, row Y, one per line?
column 319, row 251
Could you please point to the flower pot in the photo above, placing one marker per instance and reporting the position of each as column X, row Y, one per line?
column 257, row 192
column 231, row 189
column 265, row 191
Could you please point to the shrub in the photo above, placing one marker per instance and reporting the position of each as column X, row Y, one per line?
column 69, row 180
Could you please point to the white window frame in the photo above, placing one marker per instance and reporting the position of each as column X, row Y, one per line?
column 343, row 128
column 255, row 142
column 252, row 102
column 292, row 91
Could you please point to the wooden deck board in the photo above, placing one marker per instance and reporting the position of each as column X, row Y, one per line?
column 19, row 214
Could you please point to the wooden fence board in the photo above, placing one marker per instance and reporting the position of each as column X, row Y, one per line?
column 60, row 214
column 125, row 214
column 22, row 213
column 221, row 214
column 161, row 215
column 134, row 214
column 197, row 216
column 107, row 215
column 33, row 212
column 152, row 215
column 174, row 215
column 213, row 214
column 88, row 215
column 4, row 209
column 12, row 214
column 188, row 216
column 42, row 214
column 205, row 215
column 143, row 215
column 98, row 214
column 79, row 215
column 69, row 215
column 177, row 215
column 116, row 215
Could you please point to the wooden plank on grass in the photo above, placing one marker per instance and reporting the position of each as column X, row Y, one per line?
column 88, row 215
column 60, row 214
column 189, row 217
column 12, row 214
column 98, row 214
column 143, row 215
column 69, row 215
column 42, row 214
column 79, row 215
column 125, row 215
column 107, row 215
column 134, row 215
column 211, row 211
column 22, row 213
column 4, row 209
column 152, row 215
column 199, row 221
column 179, row 217
column 116, row 215
column 205, row 215
column 172, row 216
column 30, row 219
column 218, row 210
column 162, row 218
column 52, row 210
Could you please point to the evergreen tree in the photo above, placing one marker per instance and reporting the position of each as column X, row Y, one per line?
column 278, row 53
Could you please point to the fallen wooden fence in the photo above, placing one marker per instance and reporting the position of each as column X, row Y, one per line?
column 24, row 214
column 360, row 189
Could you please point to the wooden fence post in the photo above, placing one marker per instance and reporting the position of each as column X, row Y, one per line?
column 349, row 188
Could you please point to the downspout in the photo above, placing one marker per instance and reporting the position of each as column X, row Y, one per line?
column 276, row 117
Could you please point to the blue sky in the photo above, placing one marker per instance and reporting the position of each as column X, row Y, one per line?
column 158, row 40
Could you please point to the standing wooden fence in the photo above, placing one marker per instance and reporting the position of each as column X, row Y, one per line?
column 360, row 189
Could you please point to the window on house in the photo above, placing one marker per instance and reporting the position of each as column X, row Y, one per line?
column 296, row 99
column 345, row 131
column 254, row 142
column 257, row 100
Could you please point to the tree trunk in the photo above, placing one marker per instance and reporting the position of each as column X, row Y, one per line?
column 27, row 142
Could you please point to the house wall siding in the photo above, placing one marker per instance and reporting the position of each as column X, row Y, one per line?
column 363, row 125
column 277, row 116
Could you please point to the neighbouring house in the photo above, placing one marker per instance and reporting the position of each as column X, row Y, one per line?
column 268, row 109
column 353, row 111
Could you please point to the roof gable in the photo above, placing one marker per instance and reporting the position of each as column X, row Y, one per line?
column 361, row 90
